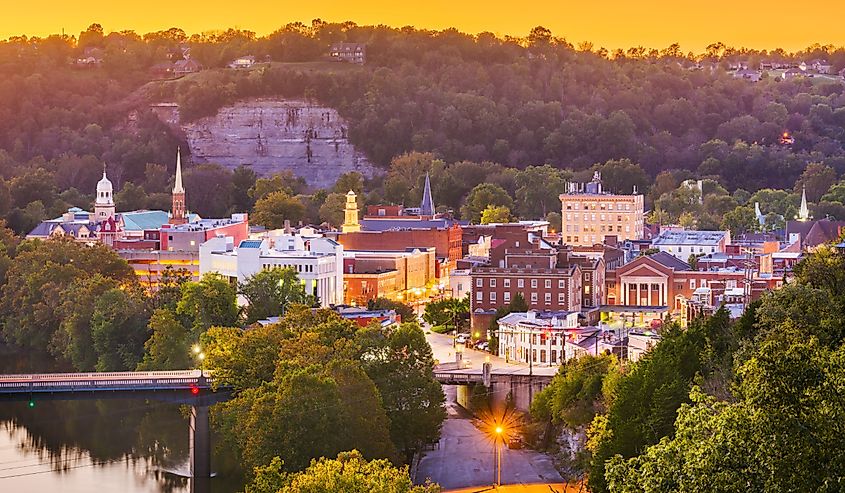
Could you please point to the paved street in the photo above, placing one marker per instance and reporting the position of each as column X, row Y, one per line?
column 465, row 457
column 441, row 346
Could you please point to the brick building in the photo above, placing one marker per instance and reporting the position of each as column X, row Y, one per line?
column 589, row 214
column 394, row 275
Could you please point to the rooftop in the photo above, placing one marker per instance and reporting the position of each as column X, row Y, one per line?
column 686, row 237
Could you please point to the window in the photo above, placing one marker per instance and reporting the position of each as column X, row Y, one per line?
column 479, row 296
column 561, row 284
column 492, row 296
column 533, row 355
column 507, row 296
column 586, row 276
column 533, row 297
column 542, row 356
column 548, row 298
column 560, row 298
column 507, row 283
column 554, row 356
column 533, row 283
column 548, row 284
column 492, row 283
column 479, row 282
column 692, row 283
column 520, row 283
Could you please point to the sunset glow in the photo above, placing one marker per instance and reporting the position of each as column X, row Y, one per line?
column 610, row 23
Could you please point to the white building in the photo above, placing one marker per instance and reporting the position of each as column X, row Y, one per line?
column 536, row 338
column 640, row 343
column 681, row 243
column 317, row 260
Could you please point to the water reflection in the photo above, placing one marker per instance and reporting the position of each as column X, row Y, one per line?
column 128, row 445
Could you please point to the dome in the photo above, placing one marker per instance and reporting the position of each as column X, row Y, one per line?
column 104, row 185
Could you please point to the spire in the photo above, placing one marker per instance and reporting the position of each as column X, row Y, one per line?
column 177, row 187
column 803, row 212
column 761, row 219
column 427, row 205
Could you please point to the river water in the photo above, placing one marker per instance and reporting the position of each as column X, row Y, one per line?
column 109, row 445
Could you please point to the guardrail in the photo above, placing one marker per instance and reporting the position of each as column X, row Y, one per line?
column 114, row 381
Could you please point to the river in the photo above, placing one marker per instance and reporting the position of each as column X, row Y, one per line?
column 103, row 445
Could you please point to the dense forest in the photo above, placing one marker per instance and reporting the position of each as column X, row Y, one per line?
column 470, row 101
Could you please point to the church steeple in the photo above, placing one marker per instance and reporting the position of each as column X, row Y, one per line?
column 804, row 211
column 104, row 203
column 427, row 205
column 177, row 212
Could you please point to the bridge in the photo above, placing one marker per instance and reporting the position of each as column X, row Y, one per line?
column 187, row 380
column 520, row 383
column 192, row 387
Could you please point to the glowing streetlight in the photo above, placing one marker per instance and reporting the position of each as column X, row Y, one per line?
column 498, row 451
column 196, row 349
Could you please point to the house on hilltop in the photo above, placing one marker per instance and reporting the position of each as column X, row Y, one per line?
column 349, row 52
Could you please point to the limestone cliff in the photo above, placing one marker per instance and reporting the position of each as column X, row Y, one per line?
column 275, row 135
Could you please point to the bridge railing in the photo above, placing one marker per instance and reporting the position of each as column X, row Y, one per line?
column 102, row 375
column 63, row 382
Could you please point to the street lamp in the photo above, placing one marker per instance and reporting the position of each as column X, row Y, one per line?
column 201, row 356
column 497, row 449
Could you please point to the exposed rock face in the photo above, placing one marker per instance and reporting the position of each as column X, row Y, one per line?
column 275, row 135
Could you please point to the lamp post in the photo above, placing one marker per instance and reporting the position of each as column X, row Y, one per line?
column 497, row 450
column 200, row 356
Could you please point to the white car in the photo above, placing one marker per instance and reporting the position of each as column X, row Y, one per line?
column 461, row 339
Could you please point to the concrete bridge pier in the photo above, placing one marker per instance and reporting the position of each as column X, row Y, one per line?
column 200, row 442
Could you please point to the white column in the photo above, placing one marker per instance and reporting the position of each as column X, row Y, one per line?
column 639, row 296
column 624, row 294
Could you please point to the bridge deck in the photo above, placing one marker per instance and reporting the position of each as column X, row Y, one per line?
column 107, row 381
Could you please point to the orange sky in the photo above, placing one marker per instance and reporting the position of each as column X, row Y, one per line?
column 611, row 23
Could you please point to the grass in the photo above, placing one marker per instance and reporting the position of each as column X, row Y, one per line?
column 440, row 329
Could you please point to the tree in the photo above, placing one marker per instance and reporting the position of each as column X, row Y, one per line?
column 37, row 283
column 483, row 196
column 349, row 473
column 269, row 292
column 538, row 190
column 495, row 214
column 332, row 210
column 622, row 176
column 349, row 181
column 740, row 220
column 118, row 330
column 243, row 180
column 131, row 198
column 208, row 189
column 168, row 348
column 817, row 180
column 782, row 433
column 574, row 396
column 284, row 181
column 404, row 310
column 209, row 302
column 274, row 208
column 400, row 362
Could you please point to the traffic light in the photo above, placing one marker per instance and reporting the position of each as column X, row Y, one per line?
column 31, row 403
column 195, row 390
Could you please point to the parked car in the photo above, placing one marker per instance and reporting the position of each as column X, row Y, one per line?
column 515, row 443
column 482, row 345
column 461, row 339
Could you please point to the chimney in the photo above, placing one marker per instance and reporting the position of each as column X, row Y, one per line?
column 287, row 227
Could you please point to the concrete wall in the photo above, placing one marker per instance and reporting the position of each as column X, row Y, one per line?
column 275, row 135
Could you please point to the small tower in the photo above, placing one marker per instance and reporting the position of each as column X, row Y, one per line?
column 104, row 205
column 761, row 219
column 350, row 214
column 427, row 204
column 177, row 211
column 804, row 211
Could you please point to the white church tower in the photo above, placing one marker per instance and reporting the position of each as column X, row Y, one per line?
column 104, row 205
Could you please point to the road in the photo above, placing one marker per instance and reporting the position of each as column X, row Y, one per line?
column 465, row 456
column 441, row 346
